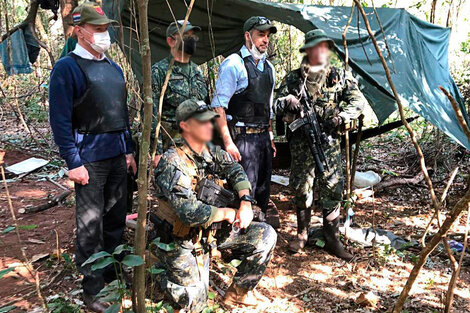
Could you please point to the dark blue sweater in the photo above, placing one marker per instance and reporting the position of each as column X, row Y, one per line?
column 67, row 83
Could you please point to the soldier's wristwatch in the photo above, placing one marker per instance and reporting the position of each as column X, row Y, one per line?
column 248, row 198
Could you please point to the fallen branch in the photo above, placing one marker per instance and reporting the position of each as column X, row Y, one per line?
column 45, row 206
column 427, row 250
column 399, row 181
column 29, row 266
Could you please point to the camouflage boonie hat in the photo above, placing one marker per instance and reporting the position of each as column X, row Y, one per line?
column 314, row 37
column 196, row 109
column 260, row 23
column 90, row 13
column 175, row 26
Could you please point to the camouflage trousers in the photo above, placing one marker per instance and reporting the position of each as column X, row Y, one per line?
column 187, row 284
column 303, row 176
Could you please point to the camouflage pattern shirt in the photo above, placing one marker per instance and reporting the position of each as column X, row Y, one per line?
column 338, row 95
column 181, row 167
column 186, row 82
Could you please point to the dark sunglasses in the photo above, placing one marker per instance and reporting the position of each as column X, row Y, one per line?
column 263, row 21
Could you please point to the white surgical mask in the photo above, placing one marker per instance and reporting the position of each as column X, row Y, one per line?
column 257, row 55
column 102, row 41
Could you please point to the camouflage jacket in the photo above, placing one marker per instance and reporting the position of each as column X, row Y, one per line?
column 180, row 168
column 186, row 82
column 338, row 95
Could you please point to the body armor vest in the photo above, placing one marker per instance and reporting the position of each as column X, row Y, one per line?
column 251, row 106
column 102, row 108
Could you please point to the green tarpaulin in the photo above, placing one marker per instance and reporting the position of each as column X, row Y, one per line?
column 419, row 49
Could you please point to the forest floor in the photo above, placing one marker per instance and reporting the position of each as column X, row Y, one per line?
column 312, row 281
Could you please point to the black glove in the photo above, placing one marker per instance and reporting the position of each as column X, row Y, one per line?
column 292, row 104
column 333, row 123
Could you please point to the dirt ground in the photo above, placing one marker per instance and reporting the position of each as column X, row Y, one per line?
column 312, row 281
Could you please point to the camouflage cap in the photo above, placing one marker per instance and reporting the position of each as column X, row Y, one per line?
column 314, row 37
column 192, row 108
column 260, row 23
column 90, row 13
column 175, row 26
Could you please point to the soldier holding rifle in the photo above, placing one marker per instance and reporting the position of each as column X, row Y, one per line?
column 316, row 101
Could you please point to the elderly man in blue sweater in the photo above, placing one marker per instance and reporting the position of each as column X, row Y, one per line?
column 90, row 122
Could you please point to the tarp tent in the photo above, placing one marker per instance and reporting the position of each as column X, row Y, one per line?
column 419, row 49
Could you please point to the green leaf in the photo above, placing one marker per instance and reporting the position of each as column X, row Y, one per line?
column 320, row 243
column 102, row 263
column 8, row 229
column 164, row 246
column 167, row 246
column 6, row 309
column 121, row 248
column 155, row 271
column 132, row 260
column 211, row 295
column 235, row 262
column 95, row 257
column 112, row 297
column 6, row 271
column 115, row 308
column 28, row 227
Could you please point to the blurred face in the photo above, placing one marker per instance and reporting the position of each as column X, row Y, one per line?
column 198, row 131
column 259, row 38
column 176, row 38
column 85, row 32
column 318, row 54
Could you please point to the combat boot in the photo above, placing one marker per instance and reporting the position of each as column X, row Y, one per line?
column 303, row 223
column 240, row 296
column 330, row 231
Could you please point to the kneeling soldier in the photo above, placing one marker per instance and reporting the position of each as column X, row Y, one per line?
column 181, row 177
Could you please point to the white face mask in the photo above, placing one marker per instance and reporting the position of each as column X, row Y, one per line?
column 102, row 41
column 257, row 55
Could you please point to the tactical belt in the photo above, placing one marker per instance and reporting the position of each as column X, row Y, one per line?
column 242, row 130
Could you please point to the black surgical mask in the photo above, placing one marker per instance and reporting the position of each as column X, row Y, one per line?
column 189, row 45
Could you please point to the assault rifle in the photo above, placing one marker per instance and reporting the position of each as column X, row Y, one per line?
column 312, row 130
column 207, row 191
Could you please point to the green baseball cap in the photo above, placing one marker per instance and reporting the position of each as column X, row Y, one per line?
column 198, row 110
column 314, row 37
column 175, row 26
column 260, row 23
column 90, row 13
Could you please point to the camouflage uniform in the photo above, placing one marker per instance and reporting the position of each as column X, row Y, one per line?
column 186, row 82
column 336, row 98
column 341, row 96
column 184, row 281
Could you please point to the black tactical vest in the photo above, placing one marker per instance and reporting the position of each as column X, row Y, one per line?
column 102, row 108
column 252, row 105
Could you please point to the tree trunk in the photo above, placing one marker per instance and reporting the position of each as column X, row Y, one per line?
column 139, row 272
column 66, row 9
column 432, row 16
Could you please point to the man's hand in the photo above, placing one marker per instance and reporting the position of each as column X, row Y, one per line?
column 292, row 103
column 232, row 149
column 245, row 214
column 79, row 175
column 274, row 148
column 130, row 162
column 156, row 160
column 225, row 214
